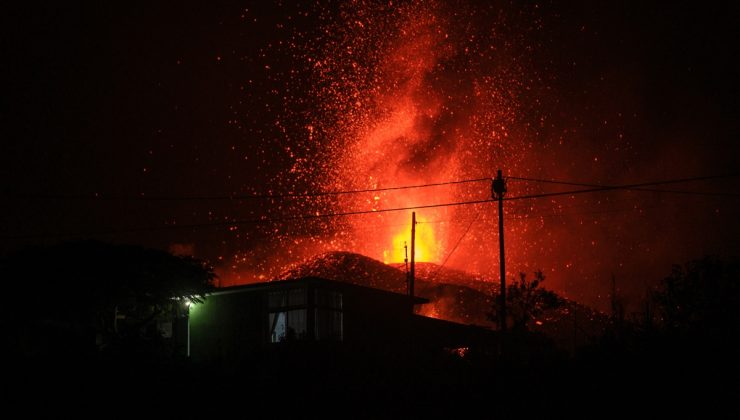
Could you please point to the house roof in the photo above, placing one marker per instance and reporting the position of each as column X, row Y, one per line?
column 315, row 281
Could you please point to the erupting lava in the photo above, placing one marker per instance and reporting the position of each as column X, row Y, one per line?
column 426, row 244
column 408, row 94
column 408, row 106
column 379, row 95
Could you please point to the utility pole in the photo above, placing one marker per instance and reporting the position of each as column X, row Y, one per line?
column 406, row 260
column 412, row 271
column 406, row 264
column 498, row 189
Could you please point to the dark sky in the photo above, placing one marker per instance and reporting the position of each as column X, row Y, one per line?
column 133, row 103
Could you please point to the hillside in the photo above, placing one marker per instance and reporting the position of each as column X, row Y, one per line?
column 454, row 295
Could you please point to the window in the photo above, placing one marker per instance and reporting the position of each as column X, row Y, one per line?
column 287, row 315
column 329, row 321
column 284, row 298
column 328, row 299
column 295, row 315
column 329, row 325
column 288, row 326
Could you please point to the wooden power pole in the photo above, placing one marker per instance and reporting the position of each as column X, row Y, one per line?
column 498, row 189
column 412, row 270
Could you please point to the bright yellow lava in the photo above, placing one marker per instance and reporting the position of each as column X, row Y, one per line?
column 427, row 246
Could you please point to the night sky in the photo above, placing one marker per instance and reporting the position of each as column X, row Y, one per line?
column 153, row 124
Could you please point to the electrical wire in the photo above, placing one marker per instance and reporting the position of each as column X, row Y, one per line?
column 234, row 197
column 454, row 248
column 658, row 190
column 378, row 211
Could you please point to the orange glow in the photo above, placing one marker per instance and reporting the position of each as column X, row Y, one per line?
column 409, row 113
column 392, row 138
column 426, row 244
column 429, row 310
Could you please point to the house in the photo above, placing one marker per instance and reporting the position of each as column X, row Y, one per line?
column 235, row 323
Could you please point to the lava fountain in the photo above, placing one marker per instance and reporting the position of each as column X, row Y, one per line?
column 369, row 95
column 409, row 105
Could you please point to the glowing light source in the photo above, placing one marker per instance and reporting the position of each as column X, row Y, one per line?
column 427, row 245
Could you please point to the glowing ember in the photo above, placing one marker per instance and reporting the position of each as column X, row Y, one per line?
column 418, row 113
column 407, row 94
column 224, row 131
column 368, row 95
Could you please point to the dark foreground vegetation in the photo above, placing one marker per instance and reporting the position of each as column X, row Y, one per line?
column 66, row 354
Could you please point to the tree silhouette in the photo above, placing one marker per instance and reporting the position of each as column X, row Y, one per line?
column 93, row 292
column 700, row 299
column 525, row 301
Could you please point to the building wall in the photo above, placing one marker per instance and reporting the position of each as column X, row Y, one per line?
column 226, row 327
column 231, row 327
column 374, row 320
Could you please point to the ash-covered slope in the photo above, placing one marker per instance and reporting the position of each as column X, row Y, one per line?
column 454, row 301
column 351, row 268
column 454, row 295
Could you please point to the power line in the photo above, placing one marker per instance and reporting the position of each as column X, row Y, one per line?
column 454, row 248
column 378, row 211
column 637, row 186
column 264, row 220
column 586, row 212
column 234, row 197
column 659, row 190
column 242, row 197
